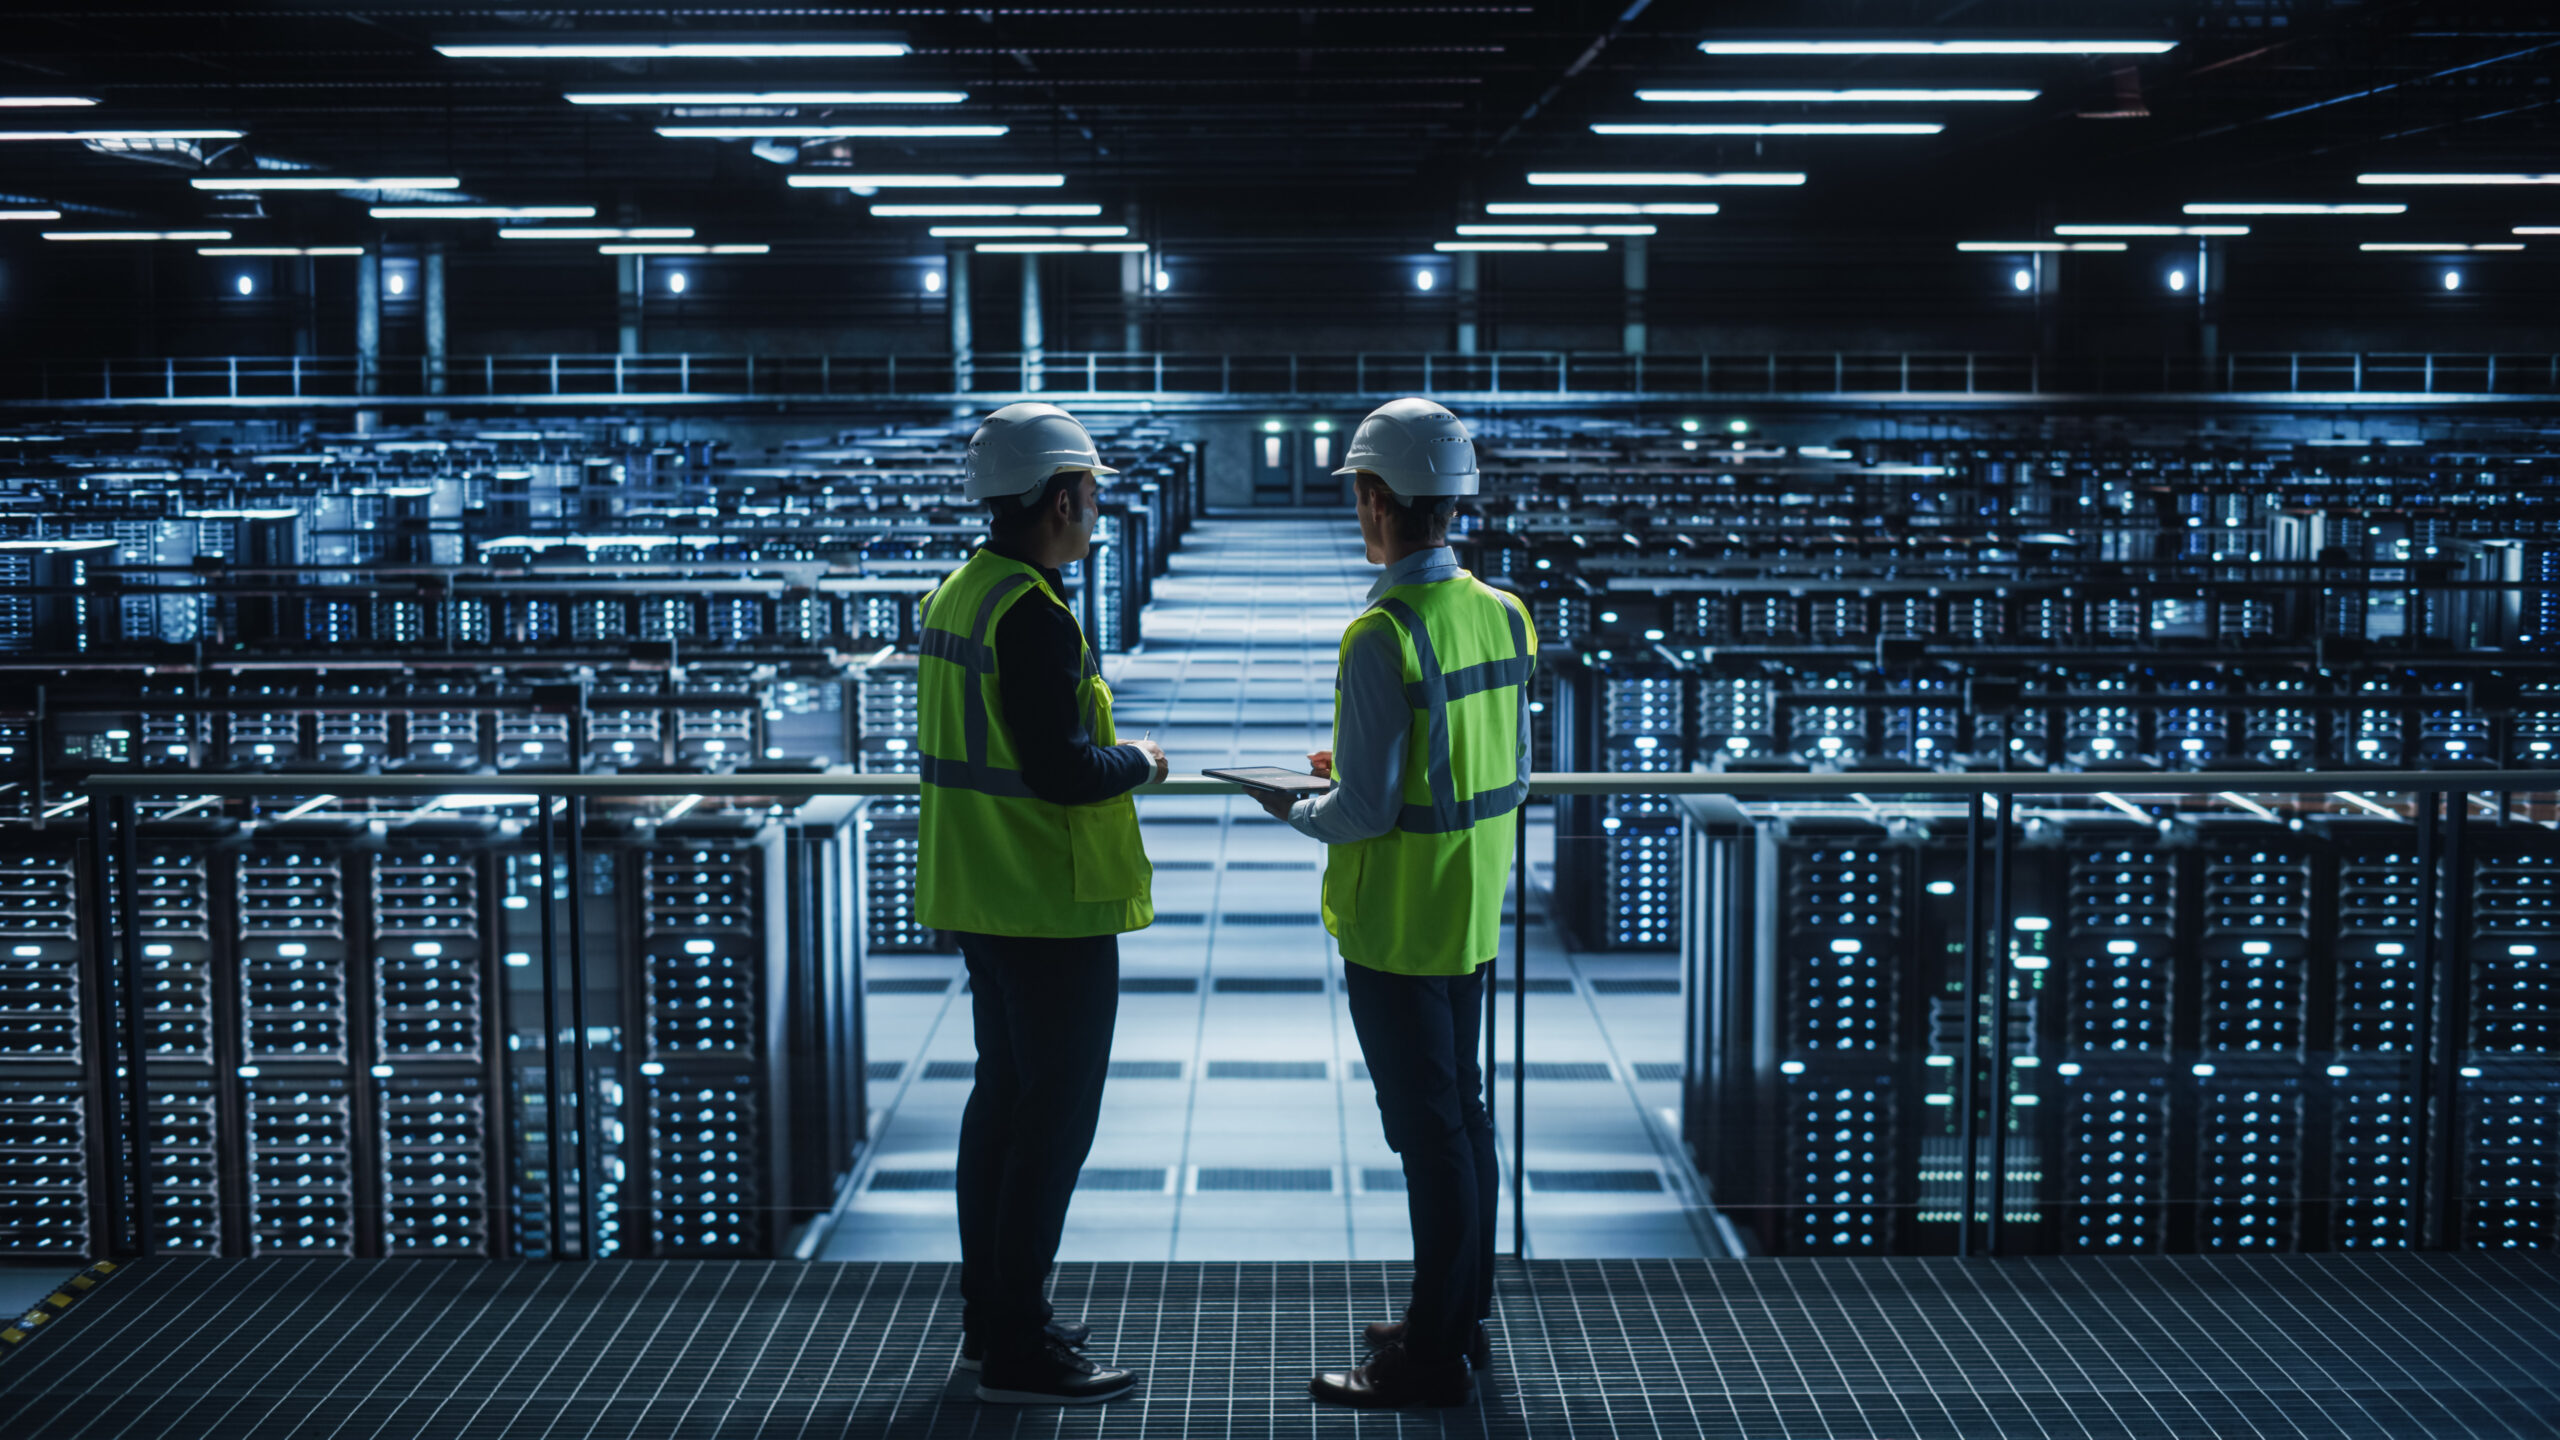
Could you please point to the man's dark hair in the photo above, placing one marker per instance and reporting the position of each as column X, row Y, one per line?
column 1008, row 518
column 1422, row 521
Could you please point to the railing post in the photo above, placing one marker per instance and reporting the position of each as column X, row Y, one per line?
column 234, row 362
column 1496, row 382
column 2357, row 384
column 684, row 371
column 106, row 379
column 555, row 373
column 169, row 376
column 1968, row 372
column 2035, row 372
column 1906, row 372
column 1839, row 372
column 2293, row 373
column 1226, row 374
column 488, row 375
column 619, row 387
column 1159, row 371
column 1563, row 379
column 1293, row 372
column 1089, row 370
column 751, row 372
column 2492, row 381
column 297, row 377
column 1426, row 372
column 2427, row 367
column 826, row 374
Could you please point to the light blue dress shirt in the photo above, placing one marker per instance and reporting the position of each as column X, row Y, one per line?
column 1374, row 713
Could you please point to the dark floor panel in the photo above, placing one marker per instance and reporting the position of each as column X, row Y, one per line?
column 2215, row 1349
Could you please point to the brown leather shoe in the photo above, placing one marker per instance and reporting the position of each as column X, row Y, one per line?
column 1383, row 1333
column 1392, row 1380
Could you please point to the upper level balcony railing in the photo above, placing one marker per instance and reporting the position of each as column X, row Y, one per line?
column 345, row 381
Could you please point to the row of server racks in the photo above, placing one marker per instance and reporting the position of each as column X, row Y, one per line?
column 2206, row 1026
column 353, row 1028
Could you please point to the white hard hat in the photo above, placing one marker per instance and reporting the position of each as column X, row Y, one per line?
column 1417, row 447
column 1019, row 447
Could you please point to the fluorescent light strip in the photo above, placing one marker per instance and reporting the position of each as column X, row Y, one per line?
column 1483, row 230
column 678, row 50
column 2038, row 247
column 2422, row 247
column 983, row 212
column 1602, row 207
column 43, row 102
column 926, row 182
column 1785, row 128
column 2211, row 207
column 2150, row 230
column 270, row 180
column 30, row 214
column 280, row 250
column 1664, row 177
column 833, row 132
column 483, row 212
column 592, row 232
column 137, row 234
column 1027, row 232
column 2430, row 178
column 1455, row 247
column 1061, row 247
column 1831, row 97
column 684, row 249
column 2535, row 230
column 1937, row 47
column 773, row 97
column 127, row 135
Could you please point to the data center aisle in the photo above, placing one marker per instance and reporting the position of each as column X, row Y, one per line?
column 1239, row 1123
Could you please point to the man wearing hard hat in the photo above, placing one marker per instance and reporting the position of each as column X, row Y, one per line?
column 1430, row 760
column 1030, row 855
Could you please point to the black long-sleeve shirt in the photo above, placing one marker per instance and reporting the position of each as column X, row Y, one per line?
column 1040, row 665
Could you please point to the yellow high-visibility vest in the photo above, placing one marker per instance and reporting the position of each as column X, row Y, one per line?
column 1426, row 897
column 994, row 858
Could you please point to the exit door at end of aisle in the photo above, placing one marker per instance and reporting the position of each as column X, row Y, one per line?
column 1293, row 461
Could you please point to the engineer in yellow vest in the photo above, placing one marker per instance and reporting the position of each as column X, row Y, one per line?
column 1031, row 858
column 1430, row 760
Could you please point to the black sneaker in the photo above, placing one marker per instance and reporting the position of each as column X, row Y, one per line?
column 973, row 1351
column 1393, row 1379
column 1052, row 1375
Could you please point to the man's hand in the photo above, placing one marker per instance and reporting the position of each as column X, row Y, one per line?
column 1320, row 764
column 1275, row 803
column 1153, row 752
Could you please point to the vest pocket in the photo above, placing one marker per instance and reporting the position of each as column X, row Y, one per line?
column 1109, row 856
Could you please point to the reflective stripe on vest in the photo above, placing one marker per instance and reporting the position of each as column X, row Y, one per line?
column 975, row 657
column 1431, row 694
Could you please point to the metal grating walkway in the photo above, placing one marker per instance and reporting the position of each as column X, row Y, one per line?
column 2400, row 1346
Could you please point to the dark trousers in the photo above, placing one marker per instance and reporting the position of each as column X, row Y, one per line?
column 1044, row 1011
column 1420, row 1035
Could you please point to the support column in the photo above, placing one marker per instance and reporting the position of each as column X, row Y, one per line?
column 1466, row 273
column 2209, row 258
column 369, row 333
column 1133, row 291
column 1031, row 337
column 955, row 291
column 431, row 309
column 627, row 302
column 306, row 308
column 1636, row 259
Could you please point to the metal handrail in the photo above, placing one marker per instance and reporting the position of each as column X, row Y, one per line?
column 1543, row 783
column 416, row 380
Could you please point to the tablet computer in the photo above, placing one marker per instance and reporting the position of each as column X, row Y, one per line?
column 1272, row 777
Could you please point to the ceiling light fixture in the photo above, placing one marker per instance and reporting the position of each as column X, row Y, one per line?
column 2215, row 207
column 483, row 212
column 1027, row 232
column 2150, row 230
column 127, row 136
column 1493, row 230
column 137, row 234
column 771, row 97
column 684, row 249
column 833, row 132
column 1460, row 247
column 2432, row 178
column 1664, row 177
column 1602, row 207
column 592, row 232
column 279, row 251
column 2038, row 247
column 1061, row 247
column 603, row 49
column 1881, row 127
column 2535, row 230
column 1937, row 47
column 927, row 182
column 1831, row 97
column 43, row 102
column 30, row 214
column 2430, row 247
column 275, row 180
column 983, row 212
